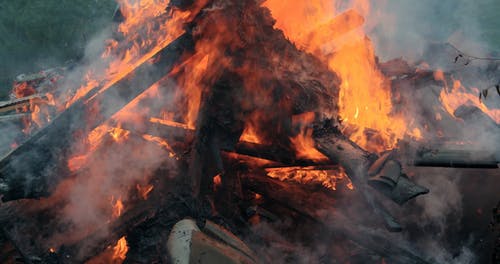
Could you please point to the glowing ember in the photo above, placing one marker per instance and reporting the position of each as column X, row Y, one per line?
column 310, row 175
column 119, row 135
column 249, row 135
column 120, row 250
column 144, row 191
column 161, row 142
column 117, row 207
column 77, row 162
column 217, row 181
column 169, row 123
column 96, row 136
column 23, row 89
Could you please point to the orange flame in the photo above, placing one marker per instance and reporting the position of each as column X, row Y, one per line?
column 120, row 250
column 169, row 123
column 77, row 162
column 365, row 96
column 119, row 135
column 304, row 146
column 139, row 16
column 196, row 67
column 117, row 207
column 91, row 142
column 458, row 95
column 249, row 134
column 161, row 142
column 144, row 190
column 303, row 142
column 217, row 181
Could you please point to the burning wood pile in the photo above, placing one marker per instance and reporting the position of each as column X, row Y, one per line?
column 223, row 112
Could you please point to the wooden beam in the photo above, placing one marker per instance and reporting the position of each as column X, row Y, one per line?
column 7, row 106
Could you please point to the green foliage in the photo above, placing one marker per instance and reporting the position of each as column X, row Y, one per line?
column 36, row 34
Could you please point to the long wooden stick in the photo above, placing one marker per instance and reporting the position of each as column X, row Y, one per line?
column 20, row 102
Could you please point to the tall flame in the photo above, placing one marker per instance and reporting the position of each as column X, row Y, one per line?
column 140, row 16
column 365, row 95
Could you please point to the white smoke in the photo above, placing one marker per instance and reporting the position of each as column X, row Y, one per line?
column 415, row 31
column 405, row 28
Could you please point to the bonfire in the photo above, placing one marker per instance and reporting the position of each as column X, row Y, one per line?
column 276, row 128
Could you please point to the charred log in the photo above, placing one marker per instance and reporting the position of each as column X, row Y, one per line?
column 383, row 174
column 219, row 126
column 447, row 154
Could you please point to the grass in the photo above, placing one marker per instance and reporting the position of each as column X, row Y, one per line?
column 42, row 34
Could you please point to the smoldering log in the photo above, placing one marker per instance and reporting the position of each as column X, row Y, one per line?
column 452, row 158
column 34, row 168
column 319, row 207
column 364, row 169
column 176, row 133
column 276, row 153
column 330, row 141
column 425, row 156
column 448, row 155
